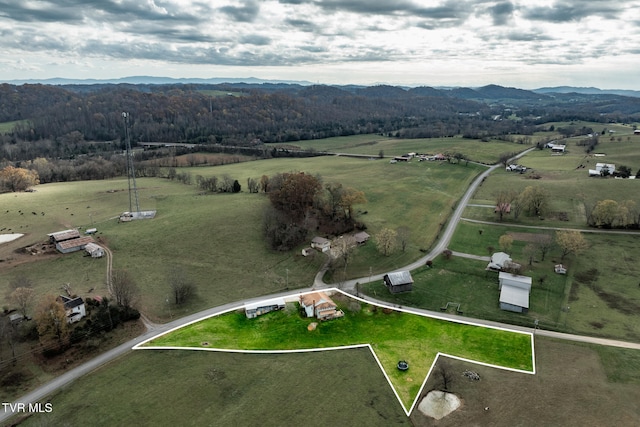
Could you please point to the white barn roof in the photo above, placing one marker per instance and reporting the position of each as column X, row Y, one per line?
column 514, row 296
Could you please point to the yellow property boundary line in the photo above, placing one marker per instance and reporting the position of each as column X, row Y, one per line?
column 290, row 298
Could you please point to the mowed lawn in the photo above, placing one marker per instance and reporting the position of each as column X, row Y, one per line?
column 393, row 336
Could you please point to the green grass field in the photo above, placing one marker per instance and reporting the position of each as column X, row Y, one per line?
column 421, row 339
column 213, row 237
column 476, row 150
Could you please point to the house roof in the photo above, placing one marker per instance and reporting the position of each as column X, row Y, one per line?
column 509, row 279
column 265, row 303
column 60, row 236
column 398, row 278
column 320, row 240
column 80, row 241
column 515, row 296
column 316, row 299
column 361, row 237
column 92, row 247
column 71, row 303
column 498, row 260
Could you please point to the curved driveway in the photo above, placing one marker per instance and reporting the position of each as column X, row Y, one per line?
column 43, row 391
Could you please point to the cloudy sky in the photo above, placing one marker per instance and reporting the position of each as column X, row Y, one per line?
column 520, row 43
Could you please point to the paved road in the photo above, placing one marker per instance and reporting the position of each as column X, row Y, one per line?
column 42, row 392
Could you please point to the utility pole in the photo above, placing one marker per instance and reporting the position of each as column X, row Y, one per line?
column 131, row 174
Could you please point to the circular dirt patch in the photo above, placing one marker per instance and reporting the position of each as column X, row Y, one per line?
column 438, row 404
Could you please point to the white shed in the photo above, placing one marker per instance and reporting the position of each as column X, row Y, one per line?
column 95, row 250
column 514, row 292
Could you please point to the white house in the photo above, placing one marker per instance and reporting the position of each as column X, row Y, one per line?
column 319, row 305
column 514, row 292
column 74, row 307
column 95, row 250
column 321, row 244
column 501, row 261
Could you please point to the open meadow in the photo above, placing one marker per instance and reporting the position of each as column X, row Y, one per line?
column 596, row 386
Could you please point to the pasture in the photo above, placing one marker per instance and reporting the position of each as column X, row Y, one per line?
column 421, row 339
column 216, row 238
column 596, row 385
column 372, row 144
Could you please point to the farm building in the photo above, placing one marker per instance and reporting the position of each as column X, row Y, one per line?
column 401, row 159
column 74, row 307
column 259, row 308
column 320, row 306
column 501, row 261
column 558, row 148
column 73, row 245
column 636, row 132
column 361, row 237
column 610, row 167
column 321, row 244
column 560, row 269
column 91, row 231
column 95, row 250
column 61, row 236
column 399, row 281
column 514, row 292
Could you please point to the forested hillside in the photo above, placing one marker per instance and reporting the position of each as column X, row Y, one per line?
column 61, row 121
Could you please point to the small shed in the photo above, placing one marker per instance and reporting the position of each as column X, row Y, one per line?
column 361, row 237
column 95, row 250
column 321, row 244
column 256, row 309
column 399, row 281
column 514, row 292
column 560, row 269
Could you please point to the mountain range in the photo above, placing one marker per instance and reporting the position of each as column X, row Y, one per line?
column 484, row 92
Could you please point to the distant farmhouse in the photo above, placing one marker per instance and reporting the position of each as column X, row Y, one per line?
column 74, row 308
column 514, row 292
column 95, row 250
column 602, row 169
column 68, row 241
column 320, row 306
column 321, row 244
column 399, row 281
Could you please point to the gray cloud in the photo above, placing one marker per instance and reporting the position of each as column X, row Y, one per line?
column 501, row 12
column 574, row 10
column 247, row 13
column 302, row 25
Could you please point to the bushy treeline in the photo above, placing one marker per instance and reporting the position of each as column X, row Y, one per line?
column 301, row 204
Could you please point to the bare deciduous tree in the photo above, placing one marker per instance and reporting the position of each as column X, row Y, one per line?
column 386, row 241
column 182, row 288
column 23, row 298
column 123, row 288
